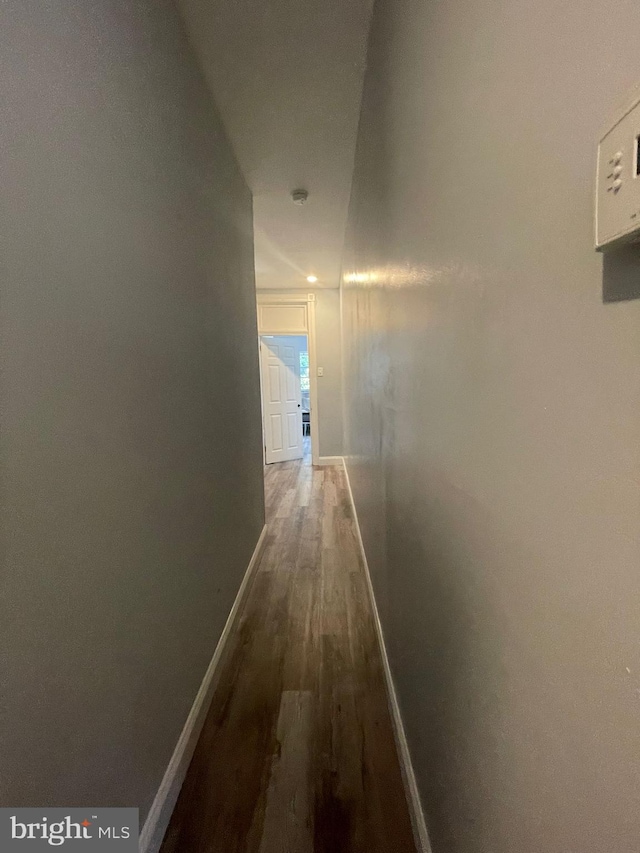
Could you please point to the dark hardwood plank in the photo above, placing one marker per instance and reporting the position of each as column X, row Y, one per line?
column 297, row 754
column 287, row 828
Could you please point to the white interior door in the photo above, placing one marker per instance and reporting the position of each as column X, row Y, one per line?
column 281, row 398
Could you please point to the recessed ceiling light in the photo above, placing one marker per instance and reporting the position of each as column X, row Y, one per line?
column 312, row 279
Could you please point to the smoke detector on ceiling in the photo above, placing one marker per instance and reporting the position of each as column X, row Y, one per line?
column 299, row 196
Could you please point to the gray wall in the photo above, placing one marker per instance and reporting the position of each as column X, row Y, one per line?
column 130, row 457
column 493, row 404
column 329, row 357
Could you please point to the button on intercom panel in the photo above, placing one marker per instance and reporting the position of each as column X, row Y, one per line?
column 618, row 181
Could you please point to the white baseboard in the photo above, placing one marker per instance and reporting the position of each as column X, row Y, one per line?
column 330, row 460
column 162, row 807
column 418, row 822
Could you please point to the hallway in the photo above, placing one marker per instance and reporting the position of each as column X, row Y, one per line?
column 297, row 753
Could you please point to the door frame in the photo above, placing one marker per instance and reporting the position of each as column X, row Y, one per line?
column 297, row 318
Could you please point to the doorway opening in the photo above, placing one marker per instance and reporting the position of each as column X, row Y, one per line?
column 292, row 314
column 286, row 398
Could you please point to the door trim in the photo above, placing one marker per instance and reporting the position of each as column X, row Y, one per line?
column 305, row 325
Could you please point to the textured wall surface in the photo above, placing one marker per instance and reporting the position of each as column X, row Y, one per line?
column 131, row 451
column 493, row 417
column 329, row 357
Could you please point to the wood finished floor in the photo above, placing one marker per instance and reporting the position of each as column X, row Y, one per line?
column 297, row 753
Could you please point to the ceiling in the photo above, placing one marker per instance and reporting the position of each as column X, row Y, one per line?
column 287, row 79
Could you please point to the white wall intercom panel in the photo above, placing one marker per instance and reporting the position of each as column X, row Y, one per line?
column 618, row 181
